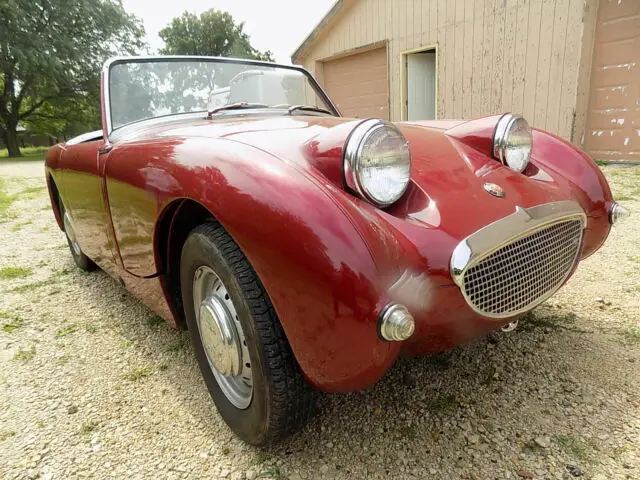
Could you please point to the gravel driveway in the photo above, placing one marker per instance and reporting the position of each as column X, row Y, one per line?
column 93, row 385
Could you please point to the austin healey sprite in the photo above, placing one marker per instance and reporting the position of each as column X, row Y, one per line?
column 305, row 251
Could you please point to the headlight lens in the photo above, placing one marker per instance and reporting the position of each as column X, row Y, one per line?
column 377, row 162
column 512, row 142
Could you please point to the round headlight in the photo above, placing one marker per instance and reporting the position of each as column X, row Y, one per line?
column 512, row 142
column 377, row 162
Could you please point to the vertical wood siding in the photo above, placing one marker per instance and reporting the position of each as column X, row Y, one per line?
column 494, row 56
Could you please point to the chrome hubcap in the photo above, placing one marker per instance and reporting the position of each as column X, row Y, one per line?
column 71, row 235
column 222, row 337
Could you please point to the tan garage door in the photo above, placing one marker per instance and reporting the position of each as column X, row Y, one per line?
column 358, row 84
column 613, row 120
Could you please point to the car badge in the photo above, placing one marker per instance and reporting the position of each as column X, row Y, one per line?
column 494, row 189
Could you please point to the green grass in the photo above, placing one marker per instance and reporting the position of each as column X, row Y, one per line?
column 28, row 153
column 154, row 321
column 6, row 201
column 572, row 446
column 23, row 355
column 4, row 434
column 13, row 324
column 632, row 335
column 68, row 330
column 138, row 373
column 89, row 427
column 442, row 403
column 10, row 273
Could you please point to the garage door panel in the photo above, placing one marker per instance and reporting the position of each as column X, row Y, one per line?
column 613, row 118
column 358, row 84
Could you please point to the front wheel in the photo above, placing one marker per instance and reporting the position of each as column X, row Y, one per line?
column 243, row 354
column 81, row 260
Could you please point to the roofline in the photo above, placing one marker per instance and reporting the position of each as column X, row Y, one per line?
column 315, row 33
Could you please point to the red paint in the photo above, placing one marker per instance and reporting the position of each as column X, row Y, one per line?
column 326, row 258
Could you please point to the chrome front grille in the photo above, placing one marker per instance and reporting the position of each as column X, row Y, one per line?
column 525, row 271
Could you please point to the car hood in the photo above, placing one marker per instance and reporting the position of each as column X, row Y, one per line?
column 447, row 172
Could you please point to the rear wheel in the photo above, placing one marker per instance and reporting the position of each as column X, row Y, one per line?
column 82, row 261
column 243, row 354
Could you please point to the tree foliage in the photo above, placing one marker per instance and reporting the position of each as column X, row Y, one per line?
column 213, row 33
column 51, row 53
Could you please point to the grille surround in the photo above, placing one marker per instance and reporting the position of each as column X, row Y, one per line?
column 498, row 268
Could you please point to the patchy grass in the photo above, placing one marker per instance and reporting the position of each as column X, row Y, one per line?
column 4, row 434
column 442, row 403
column 572, row 446
column 30, row 193
column 89, row 427
column 13, row 324
column 23, row 355
column 632, row 335
column 176, row 347
column 154, row 321
column 28, row 153
column 68, row 330
column 19, row 226
column 138, row 373
column 6, row 201
column 11, row 273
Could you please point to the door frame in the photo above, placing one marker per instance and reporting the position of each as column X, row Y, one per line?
column 404, row 79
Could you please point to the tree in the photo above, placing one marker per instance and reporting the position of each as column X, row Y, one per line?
column 51, row 53
column 213, row 33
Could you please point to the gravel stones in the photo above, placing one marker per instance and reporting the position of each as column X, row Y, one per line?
column 91, row 386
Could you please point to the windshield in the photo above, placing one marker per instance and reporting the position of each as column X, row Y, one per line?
column 141, row 89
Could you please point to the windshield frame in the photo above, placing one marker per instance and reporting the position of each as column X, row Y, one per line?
column 107, row 121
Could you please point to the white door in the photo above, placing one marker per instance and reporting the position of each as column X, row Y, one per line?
column 421, row 86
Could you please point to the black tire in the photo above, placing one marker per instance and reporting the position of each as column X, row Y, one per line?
column 82, row 261
column 282, row 401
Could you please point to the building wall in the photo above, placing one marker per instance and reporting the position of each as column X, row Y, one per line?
column 493, row 56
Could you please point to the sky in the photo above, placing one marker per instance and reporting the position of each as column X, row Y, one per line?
column 276, row 25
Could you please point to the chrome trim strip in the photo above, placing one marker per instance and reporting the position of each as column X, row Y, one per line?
column 177, row 58
column 486, row 241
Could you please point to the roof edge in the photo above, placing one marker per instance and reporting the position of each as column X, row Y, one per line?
column 319, row 28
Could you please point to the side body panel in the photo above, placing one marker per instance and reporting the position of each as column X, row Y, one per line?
column 81, row 189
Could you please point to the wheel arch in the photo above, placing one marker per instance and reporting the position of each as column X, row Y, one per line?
column 174, row 224
column 54, row 197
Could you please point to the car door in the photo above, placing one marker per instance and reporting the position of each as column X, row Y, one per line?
column 82, row 194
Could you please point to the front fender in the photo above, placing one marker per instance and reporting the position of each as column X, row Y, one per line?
column 567, row 163
column 315, row 265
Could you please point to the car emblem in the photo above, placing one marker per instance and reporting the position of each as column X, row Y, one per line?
column 495, row 190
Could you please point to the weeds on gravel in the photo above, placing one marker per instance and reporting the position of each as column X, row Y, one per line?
column 154, row 321
column 272, row 472
column 175, row 347
column 89, row 427
column 138, row 373
column 6, row 201
column 68, row 330
column 4, row 434
column 572, row 446
column 13, row 324
column 23, row 355
column 11, row 273
column 442, row 403
column 632, row 335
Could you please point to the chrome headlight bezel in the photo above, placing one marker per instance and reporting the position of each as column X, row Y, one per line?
column 351, row 160
column 501, row 144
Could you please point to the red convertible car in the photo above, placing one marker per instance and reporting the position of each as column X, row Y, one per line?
column 305, row 251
